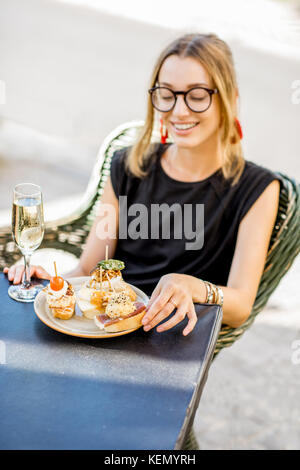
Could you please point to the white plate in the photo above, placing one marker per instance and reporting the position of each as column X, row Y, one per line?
column 78, row 325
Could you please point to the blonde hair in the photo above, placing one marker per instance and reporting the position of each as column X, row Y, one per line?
column 215, row 55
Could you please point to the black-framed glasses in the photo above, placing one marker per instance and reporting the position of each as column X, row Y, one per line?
column 197, row 99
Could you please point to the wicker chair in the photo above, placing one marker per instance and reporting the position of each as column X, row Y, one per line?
column 70, row 233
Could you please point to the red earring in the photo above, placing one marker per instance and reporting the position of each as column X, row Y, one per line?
column 239, row 128
column 163, row 132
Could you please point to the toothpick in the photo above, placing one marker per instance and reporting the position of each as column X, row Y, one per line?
column 110, row 283
column 55, row 269
column 101, row 278
column 106, row 252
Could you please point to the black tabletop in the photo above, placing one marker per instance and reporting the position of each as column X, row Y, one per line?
column 138, row 391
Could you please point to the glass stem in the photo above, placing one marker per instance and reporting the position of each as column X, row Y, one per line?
column 27, row 279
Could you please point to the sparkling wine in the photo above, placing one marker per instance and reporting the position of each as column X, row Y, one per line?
column 28, row 224
column 28, row 232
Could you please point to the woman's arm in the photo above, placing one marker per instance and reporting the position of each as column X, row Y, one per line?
column 249, row 258
column 103, row 232
column 246, row 269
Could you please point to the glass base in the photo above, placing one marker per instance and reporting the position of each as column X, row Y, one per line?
column 22, row 294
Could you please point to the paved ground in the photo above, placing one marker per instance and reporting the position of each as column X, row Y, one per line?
column 251, row 397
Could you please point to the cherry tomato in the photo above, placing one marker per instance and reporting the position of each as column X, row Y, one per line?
column 56, row 283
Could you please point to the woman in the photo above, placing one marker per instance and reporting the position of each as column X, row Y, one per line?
column 194, row 93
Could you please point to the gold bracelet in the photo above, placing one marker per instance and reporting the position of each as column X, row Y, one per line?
column 214, row 294
column 209, row 296
column 215, row 291
column 207, row 291
column 221, row 296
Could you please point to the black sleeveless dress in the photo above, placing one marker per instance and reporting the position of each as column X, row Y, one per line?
column 169, row 226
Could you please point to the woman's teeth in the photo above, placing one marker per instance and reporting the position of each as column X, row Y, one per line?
column 182, row 127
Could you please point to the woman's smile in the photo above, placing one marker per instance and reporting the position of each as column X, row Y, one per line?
column 183, row 128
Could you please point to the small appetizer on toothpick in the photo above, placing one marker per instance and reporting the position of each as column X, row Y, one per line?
column 60, row 297
column 105, row 281
column 121, row 313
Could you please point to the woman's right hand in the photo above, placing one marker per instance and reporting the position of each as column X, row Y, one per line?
column 15, row 273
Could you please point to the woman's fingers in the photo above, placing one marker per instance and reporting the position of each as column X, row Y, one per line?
column 176, row 318
column 192, row 316
column 16, row 273
column 165, row 298
column 10, row 272
column 158, row 304
column 161, row 315
column 6, row 270
column 40, row 272
column 184, row 308
column 154, row 295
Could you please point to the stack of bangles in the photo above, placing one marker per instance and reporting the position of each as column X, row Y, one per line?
column 214, row 294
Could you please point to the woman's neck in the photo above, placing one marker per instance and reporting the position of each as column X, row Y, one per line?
column 195, row 163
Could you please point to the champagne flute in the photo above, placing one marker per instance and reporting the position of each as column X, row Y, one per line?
column 28, row 232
